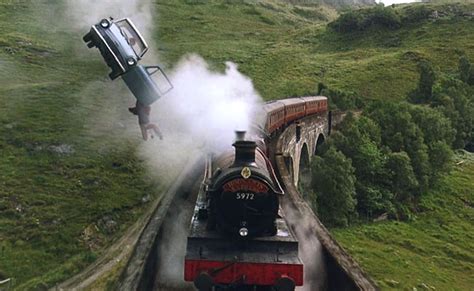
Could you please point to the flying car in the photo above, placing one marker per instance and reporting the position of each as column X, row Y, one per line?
column 122, row 47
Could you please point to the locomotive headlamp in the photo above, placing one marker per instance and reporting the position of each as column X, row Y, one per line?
column 131, row 61
column 243, row 231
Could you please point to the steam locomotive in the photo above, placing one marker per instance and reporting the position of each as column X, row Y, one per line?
column 238, row 238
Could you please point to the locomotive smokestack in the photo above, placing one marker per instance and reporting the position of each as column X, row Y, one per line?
column 239, row 135
column 244, row 153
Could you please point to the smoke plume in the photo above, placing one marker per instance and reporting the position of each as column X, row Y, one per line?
column 209, row 106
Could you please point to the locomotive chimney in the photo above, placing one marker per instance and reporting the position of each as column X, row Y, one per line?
column 244, row 150
column 240, row 135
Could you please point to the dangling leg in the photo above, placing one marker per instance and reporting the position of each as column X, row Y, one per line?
column 144, row 131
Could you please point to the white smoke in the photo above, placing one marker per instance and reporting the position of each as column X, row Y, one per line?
column 210, row 106
column 200, row 114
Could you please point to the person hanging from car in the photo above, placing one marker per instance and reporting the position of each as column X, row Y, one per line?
column 122, row 47
column 143, row 113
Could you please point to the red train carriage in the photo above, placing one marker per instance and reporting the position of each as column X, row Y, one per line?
column 275, row 112
column 284, row 111
column 315, row 104
column 294, row 109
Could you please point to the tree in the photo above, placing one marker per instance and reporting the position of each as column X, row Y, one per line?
column 373, row 200
column 441, row 157
column 464, row 69
column 333, row 181
column 456, row 101
column 402, row 176
column 399, row 133
column 434, row 125
column 427, row 79
column 424, row 91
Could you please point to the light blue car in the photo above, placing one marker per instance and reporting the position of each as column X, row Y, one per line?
column 122, row 47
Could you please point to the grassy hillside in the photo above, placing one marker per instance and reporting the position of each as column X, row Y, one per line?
column 69, row 184
column 67, row 187
column 287, row 54
column 432, row 252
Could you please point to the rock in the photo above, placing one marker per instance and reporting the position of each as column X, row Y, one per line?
column 62, row 149
column 426, row 286
column 108, row 225
column 392, row 283
column 381, row 217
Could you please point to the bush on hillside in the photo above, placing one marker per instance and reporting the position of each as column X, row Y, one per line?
column 360, row 20
column 424, row 92
column 340, row 99
column 466, row 70
column 415, row 13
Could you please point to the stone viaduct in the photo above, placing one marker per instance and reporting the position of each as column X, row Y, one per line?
column 302, row 140
column 293, row 150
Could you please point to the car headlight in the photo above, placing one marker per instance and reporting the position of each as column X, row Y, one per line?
column 104, row 23
column 243, row 231
column 131, row 61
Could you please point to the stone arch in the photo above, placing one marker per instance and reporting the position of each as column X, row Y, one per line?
column 319, row 142
column 289, row 166
column 304, row 176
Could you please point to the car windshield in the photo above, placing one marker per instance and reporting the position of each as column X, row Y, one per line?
column 132, row 36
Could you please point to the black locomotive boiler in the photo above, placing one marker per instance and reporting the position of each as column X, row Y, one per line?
column 237, row 237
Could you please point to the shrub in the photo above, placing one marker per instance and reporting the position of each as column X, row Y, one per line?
column 364, row 19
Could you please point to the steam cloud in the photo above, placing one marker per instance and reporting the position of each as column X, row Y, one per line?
column 209, row 106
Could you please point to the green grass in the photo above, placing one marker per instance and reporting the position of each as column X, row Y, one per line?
column 287, row 55
column 51, row 96
column 435, row 249
column 54, row 92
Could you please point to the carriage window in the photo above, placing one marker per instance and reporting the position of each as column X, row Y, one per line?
column 132, row 37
